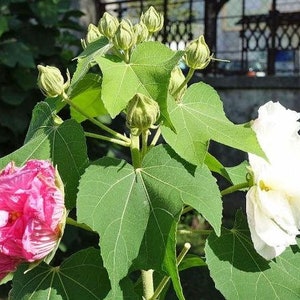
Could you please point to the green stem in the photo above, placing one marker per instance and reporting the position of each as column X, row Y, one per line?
column 94, row 121
column 145, row 135
column 186, row 80
column 234, row 188
column 165, row 280
column 198, row 231
column 106, row 138
column 126, row 56
column 135, row 151
column 155, row 138
column 148, row 287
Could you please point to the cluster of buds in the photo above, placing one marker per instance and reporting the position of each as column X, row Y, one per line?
column 124, row 35
column 51, row 82
column 141, row 114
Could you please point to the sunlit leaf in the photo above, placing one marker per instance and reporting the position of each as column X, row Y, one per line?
column 87, row 59
column 111, row 200
column 87, row 96
column 63, row 143
column 81, row 276
column 199, row 118
column 241, row 273
column 136, row 212
column 147, row 73
column 238, row 174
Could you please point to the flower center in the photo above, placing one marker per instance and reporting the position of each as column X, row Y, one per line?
column 263, row 186
column 13, row 216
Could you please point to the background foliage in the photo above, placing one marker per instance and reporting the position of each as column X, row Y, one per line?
column 31, row 32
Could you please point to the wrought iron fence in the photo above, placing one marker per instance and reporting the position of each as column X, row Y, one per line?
column 183, row 19
column 258, row 37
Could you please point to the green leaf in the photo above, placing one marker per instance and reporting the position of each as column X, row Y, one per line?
column 63, row 143
column 87, row 96
column 238, row 174
column 215, row 166
column 46, row 11
column 87, row 59
column 154, row 197
column 191, row 261
column 3, row 25
column 200, row 118
column 174, row 178
column 147, row 73
column 240, row 273
column 81, row 276
column 112, row 201
column 14, row 53
column 171, row 182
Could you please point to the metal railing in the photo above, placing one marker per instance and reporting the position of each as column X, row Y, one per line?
column 257, row 38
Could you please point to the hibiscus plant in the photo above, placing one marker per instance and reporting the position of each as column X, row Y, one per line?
column 135, row 206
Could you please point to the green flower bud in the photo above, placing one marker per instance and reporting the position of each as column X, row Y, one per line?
column 124, row 37
column 197, row 54
column 108, row 25
column 142, row 113
column 51, row 82
column 153, row 20
column 177, row 78
column 93, row 34
column 141, row 32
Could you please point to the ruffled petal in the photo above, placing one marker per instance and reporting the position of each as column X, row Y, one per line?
column 268, row 238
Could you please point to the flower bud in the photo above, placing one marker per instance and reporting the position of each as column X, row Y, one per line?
column 124, row 37
column 141, row 32
column 92, row 34
column 153, row 20
column 177, row 78
column 51, row 82
column 108, row 25
column 197, row 54
column 142, row 113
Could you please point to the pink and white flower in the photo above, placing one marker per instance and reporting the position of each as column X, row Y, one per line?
column 32, row 213
column 273, row 202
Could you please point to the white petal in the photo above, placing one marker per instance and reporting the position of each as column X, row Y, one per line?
column 268, row 238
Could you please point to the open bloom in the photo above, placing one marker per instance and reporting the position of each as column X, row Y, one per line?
column 32, row 213
column 273, row 203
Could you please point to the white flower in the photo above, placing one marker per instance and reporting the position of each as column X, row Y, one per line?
column 273, row 203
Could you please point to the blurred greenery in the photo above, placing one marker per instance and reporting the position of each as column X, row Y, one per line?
column 31, row 32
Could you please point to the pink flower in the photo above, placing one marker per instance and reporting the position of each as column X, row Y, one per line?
column 32, row 213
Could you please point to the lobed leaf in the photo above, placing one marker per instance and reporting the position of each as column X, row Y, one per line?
column 136, row 211
column 81, row 276
column 112, row 202
column 197, row 119
column 87, row 96
column 86, row 59
column 240, row 272
column 148, row 73
column 63, row 143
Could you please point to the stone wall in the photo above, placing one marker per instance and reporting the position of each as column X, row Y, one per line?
column 243, row 95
